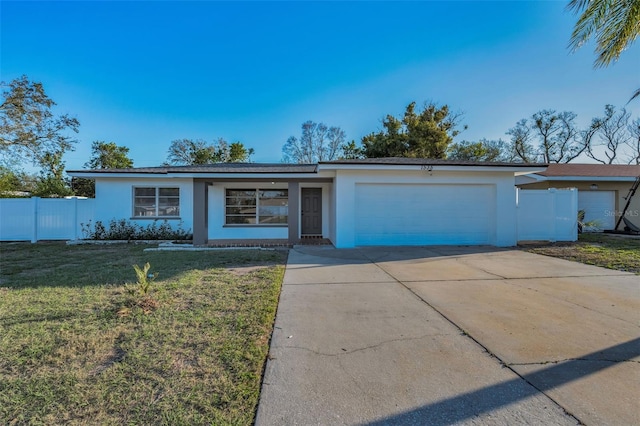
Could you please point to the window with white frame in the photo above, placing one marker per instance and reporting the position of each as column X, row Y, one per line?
column 256, row 206
column 156, row 202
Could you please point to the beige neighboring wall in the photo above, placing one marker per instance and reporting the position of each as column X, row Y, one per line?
column 621, row 189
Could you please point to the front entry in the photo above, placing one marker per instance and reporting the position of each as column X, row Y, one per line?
column 311, row 212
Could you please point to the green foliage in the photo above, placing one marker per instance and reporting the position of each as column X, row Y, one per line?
column 484, row 150
column 140, row 300
column 190, row 152
column 52, row 187
column 234, row 152
column 144, row 279
column 350, row 151
column 124, row 230
column 423, row 134
column 15, row 183
column 588, row 226
column 52, row 182
column 108, row 155
column 28, row 128
column 614, row 24
column 318, row 142
column 83, row 187
column 104, row 155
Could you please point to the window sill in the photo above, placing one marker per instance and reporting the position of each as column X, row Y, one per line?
column 155, row 218
column 251, row 225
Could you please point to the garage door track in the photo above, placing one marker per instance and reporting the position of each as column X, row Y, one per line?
column 451, row 335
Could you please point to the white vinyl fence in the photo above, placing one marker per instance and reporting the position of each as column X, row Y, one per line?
column 33, row 219
column 547, row 214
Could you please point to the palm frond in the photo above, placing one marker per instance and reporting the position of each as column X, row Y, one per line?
column 614, row 24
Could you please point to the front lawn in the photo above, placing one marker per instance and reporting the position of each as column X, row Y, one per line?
column 606, row 250
column 77, row 347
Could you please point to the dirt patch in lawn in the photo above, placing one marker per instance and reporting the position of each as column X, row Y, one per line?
column 244, row 270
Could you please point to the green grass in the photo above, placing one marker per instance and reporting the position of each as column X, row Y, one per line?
column 606, row 250
column 77, row 348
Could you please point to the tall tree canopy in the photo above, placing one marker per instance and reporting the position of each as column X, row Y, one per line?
column 52, row 182
column 28, row 127
column 423, row 134
column 108, row 155
column 104, row 155
column 483, row 150
column 16, row 183
column 318, row 142
column 548, row 136
column 198, row 151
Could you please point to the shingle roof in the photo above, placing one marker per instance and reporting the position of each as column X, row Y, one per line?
column 402, row 161
column 214, row 168
column 595, row 170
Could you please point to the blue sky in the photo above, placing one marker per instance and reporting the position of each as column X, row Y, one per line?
column 142, row 74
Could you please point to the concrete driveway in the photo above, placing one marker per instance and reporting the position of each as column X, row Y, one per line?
column 452, row 335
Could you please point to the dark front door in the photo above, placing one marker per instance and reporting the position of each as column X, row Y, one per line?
column 311, row 211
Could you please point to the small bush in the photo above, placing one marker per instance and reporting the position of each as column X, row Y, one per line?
column 122, row 229
column 139, row 293
column 144, row 278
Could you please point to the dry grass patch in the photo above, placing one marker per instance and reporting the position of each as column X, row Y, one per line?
column 605, row 250
column 68, row 355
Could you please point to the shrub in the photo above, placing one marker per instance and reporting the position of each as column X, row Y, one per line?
column 139, row 293
column 122, row 229
column 144, row 279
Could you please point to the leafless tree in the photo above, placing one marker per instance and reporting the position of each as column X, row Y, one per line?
column 318, row 142
column 634, row 141
column 608, row 136
column 549, row 136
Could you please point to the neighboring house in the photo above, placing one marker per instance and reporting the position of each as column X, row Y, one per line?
column 602, row 189
column 387, row 201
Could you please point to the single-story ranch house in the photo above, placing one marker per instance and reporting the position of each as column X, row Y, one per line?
column 602, row 189
column 384, row 201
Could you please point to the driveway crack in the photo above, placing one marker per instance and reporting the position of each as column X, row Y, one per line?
column 365, row 348
column 560, row 361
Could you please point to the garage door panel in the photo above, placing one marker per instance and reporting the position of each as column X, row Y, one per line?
column 599, row 206
column 424, row 214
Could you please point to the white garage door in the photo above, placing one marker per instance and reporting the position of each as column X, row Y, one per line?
column 424, row 214
column 598, row 206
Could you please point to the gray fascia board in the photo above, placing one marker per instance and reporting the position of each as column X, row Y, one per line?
column 436, row 167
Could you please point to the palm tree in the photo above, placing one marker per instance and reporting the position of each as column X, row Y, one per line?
column 615, row 24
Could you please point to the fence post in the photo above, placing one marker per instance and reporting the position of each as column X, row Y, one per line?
column 34, row 233
column 75, row 218
column 574, row 207
column 554, row 209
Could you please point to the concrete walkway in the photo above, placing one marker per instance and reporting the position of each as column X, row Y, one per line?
column 451, row 335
